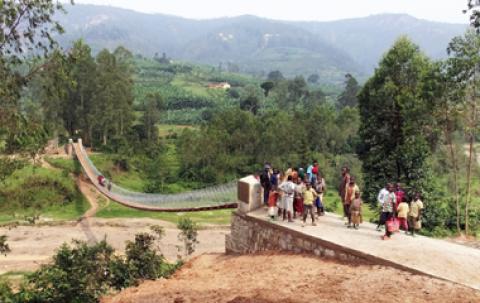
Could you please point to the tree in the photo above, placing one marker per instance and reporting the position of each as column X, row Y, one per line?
column 153, row 107
column 447, row 115
column 349, row 96
column 288, row 94
column 26, row 28
column 251, row 104
column 49, row 89
column 124, row 70
column 105, row 108
column 464, row 63
column 475, row 13
column 275, row 75
column 32, row 140
column 267, row 86
column 79, row 112
column 396, row 118
column 313, row 99
column 250, row 99
column 313, row 78
column 163, row 59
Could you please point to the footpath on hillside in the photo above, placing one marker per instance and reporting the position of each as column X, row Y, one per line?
column 437, row 258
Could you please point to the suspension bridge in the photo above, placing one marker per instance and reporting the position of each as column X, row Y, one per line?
column 216, row 197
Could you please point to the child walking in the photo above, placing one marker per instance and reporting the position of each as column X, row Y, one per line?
column 309, row 196
column 402, row 215
column 272, row 203
column 415, row 214
column 356, row 210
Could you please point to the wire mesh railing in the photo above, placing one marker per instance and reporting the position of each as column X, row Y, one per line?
column 210, row 197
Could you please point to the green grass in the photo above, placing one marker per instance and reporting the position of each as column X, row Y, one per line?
column 214, row 217
column 194, row 86
column 69, row 165
column 14, row 278
column 169, row 129
column 132, row 179
column 49, row 193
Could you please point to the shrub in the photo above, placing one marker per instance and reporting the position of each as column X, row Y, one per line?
column 4, row 248
column 83, row 273
column 188, row 234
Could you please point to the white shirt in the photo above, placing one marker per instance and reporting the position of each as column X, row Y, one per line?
column 288, row 188
column 381, row 196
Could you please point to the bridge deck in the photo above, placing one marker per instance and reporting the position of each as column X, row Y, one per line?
column 77, row 148
column 437, row 258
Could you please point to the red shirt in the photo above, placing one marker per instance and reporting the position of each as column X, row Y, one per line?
column 399, row 195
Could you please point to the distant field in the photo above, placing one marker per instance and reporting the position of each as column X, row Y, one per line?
column 169, row 129
column 184, row 88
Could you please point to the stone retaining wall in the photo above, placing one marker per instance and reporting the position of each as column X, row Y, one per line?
column 250, row 235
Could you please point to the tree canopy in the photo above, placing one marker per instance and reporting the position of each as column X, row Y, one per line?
column 395, row 121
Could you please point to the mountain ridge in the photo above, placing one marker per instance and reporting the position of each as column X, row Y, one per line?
column 258, row 45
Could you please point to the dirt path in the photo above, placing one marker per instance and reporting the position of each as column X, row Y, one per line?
column 91, row 194
column 34, row 245
column 291, row 278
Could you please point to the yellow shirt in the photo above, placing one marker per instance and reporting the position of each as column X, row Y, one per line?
column 309, row 196
column 415, row 207
column 402, row 210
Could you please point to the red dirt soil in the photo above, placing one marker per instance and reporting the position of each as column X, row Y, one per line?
column 270, row 278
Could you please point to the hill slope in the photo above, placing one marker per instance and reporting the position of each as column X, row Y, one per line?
column 257, row 45
column 366, row 39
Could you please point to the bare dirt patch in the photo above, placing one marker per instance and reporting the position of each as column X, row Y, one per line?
column 291, row 278
column 34, row 245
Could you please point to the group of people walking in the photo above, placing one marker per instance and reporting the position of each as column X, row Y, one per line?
column 294, row 193
column 297, row 192
column 396, row 213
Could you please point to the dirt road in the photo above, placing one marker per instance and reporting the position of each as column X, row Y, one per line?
column 34, row 245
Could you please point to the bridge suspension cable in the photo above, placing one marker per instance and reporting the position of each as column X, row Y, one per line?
column 220, row 196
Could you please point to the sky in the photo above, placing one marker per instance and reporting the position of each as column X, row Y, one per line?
column 314, row 10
